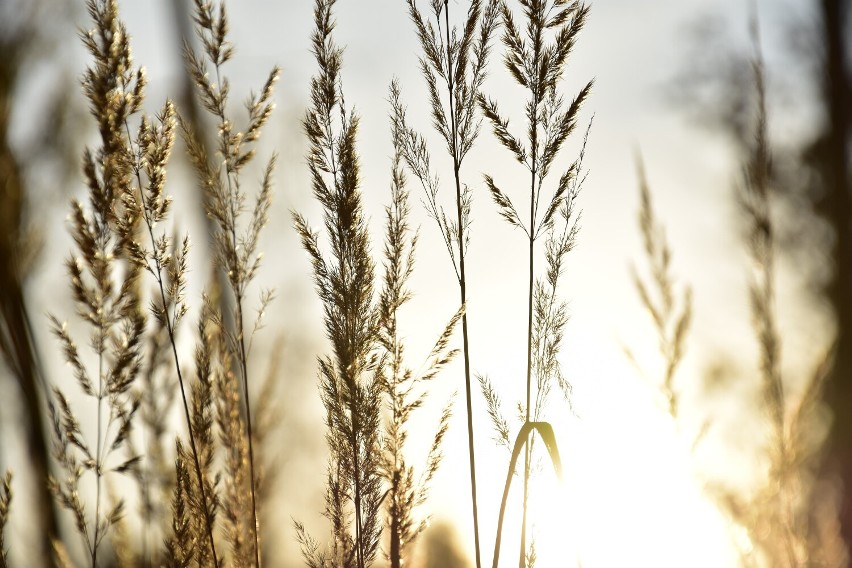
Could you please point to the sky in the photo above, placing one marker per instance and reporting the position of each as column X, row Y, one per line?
column 633, row 491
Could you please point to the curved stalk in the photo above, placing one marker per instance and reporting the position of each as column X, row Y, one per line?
column 545, row 430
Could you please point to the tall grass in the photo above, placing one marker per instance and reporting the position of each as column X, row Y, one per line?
column 784, row 521
column 350, row 393
column 365, row 380
column 236, row 245
column 406, row 391
column 453, row 65
column 129, row 274
column 163, row 258
column 117, row 241
column 366, row 370
column 778, row 518
column 670, row 308
column 536, row 58
column 105, row 284
column 21, row 243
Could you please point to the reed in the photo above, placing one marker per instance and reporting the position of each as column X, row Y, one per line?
column 344, row 282
column 536, row 58
column 366, row 376
column 669, row 305
column 405, row 390
column 104, row 281
column 235, row 239
column 377, row 490
column 165, row 258
column 777, row 517
column 453, row 65
column 781, row 515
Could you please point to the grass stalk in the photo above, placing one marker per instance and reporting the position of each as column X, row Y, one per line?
column 533, row 129
column 460, row 61
column 98, row 462
column 102, row 233
column 669, row 305
column 237, row 256
column 405, row 390
column 208, row 522
column 537, row 64
column 460, row 223
column 249, row 430
column 242, row 356
column 153, row 209
column 755, row 201
column 349, row 382
column 778, row 519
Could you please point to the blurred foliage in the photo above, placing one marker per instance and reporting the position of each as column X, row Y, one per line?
column 29, row 38
column 810, row 182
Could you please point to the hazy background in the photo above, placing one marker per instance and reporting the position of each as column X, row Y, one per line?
column 663, row 70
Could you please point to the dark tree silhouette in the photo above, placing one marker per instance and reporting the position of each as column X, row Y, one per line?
column 835, row 176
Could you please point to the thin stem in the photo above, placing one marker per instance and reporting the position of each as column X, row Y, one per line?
column 244, row 368
column 462, row 288
column 145, row 479
column 528, row 448
column 353, row 405
column 359, row 545
column 395, row 544
column 99, row 444
column 241, row 333
column 159, row 277
column 532, row 233
column 208, row 521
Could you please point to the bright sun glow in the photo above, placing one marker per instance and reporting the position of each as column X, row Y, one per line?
column 641, row 505
column 630, row 495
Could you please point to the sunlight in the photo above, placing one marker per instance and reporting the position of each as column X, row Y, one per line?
column 454, row 270
column 630, row 490
column 551, row 520
column 615, row 511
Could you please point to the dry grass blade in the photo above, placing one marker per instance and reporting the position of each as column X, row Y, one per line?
column 60, row 555
column 545, row 430
column 22, row 240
